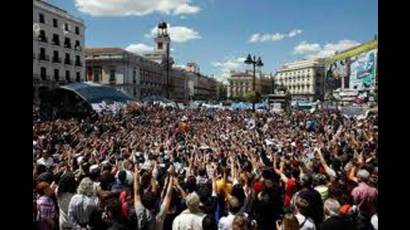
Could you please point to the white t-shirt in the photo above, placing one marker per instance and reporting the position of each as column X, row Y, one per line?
column 48, row 163
column 225, row 223
column 308, row 225
column 375, row 222
column 188, row 220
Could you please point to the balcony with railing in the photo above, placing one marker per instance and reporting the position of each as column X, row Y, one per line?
column 43, row 38
column 56, row 42
column 68, row 61
column 77, row 47
column 43, row 57
column 44, row 77
column 56, row 60
column 67, row 44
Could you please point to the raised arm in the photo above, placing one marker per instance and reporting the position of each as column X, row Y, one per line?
column 234, row 171
column 280, row 170
column 352, row 174
column 180, row 189
column 168, row 194
column 330, row 172
column 137, row 197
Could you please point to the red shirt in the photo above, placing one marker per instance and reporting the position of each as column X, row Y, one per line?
column 258, row 187
column 290, row 189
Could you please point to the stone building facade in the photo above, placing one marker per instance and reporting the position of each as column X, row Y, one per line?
column 58, row 48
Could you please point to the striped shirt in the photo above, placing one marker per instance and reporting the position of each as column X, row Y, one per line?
column 81, row 208
column 45, row 208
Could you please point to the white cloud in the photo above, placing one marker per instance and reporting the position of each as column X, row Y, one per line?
column 178, row 33
column 180, row 66
column 226, row 66
column 315, row 50
column 139, row 48
column 223, row 77
column 294, row 32
column 241, row 59
column 254, row 38
column 135, row 7
column 229, row 64
column 304, row 48
column 186, row 9
column 273, row 37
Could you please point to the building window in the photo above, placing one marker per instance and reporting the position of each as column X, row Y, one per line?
column 55, row 22
column 41, row 18
column 67, row 75
column 78, row 77
column 56, row 40
column 56, row 59
column 66, row 28
column 43, row 73
column 77, row 30
column 77, row 45
column 112, row 76
column 77, row 60
column 56, row 75
column 67, row 43
column 134, row 77
column 42, row 36
column 67, row 60
column 43, row 55
column 160, row 45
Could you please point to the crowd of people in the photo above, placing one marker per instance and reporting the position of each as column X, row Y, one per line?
column 147, row 167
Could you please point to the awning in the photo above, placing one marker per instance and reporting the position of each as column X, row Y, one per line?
column 96, row 93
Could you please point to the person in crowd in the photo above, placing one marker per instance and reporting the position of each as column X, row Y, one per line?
column 225, row 223
column 365, row 196
column 83, row 204
column 314, row 208
column 243, row 222
column 148, row 167
column 46, row 208
column 192, row 217
column 333, row 220
column 46, row 159
column 320, row 184
column 65, row 191
column 209, row 223
column 121, row 184
column 305, row 223
column 289, row 222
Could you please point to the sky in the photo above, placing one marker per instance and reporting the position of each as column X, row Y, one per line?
column 219, row 34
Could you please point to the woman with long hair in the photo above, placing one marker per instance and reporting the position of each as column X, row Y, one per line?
column 64, row 192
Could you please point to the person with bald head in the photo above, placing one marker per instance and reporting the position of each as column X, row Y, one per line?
column 365, row 197
column 190, row 218
column 333, row 219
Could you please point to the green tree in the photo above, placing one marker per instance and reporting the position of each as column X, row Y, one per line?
column 252, row 97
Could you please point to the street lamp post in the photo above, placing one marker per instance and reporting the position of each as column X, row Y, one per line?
column 255, row 62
